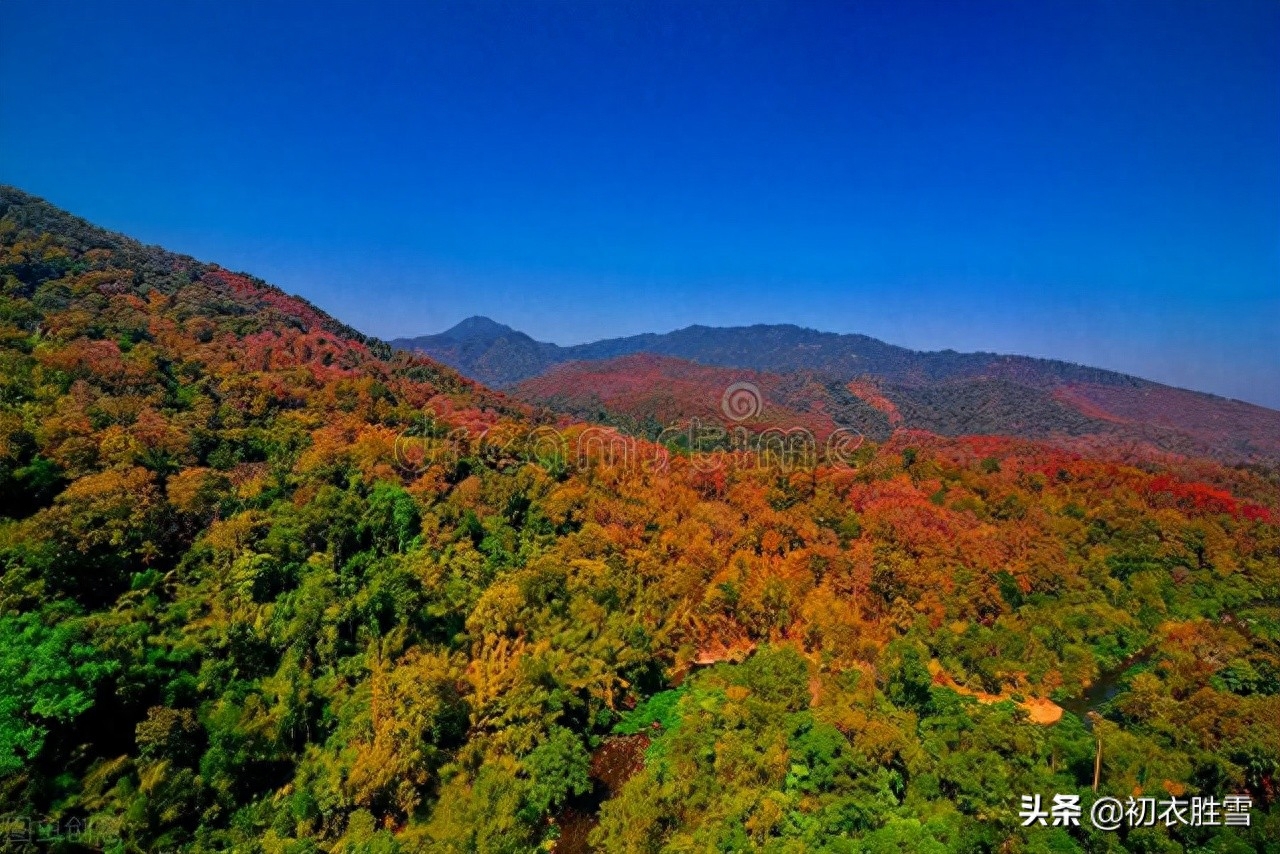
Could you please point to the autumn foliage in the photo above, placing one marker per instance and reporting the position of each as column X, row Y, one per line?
column 232, row 621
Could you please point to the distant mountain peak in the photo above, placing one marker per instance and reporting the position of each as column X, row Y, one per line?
column 476, row 327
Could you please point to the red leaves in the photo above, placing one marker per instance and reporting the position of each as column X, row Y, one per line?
column 1201, row 498
column 1196, row 497
column 869, row 392
column 85, row 359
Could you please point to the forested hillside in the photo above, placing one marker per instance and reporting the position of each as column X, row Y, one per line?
column 232, row 619
column 955, row 394
column 645, row 394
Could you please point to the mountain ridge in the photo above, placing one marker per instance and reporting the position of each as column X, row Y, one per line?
column 945, row 392
column 486, row 362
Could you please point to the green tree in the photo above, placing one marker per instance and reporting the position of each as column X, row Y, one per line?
column 558, row 768
column 47, row 677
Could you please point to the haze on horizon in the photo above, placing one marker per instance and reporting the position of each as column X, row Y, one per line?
column 1089, row 181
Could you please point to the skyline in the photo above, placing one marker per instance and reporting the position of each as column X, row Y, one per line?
column 1098, row 183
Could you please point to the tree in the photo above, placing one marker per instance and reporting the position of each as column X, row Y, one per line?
column 48, row 676
column 558, row 769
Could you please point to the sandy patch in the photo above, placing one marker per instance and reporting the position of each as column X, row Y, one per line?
column 1039, row 710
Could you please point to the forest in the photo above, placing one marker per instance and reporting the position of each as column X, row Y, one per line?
column 230, row 620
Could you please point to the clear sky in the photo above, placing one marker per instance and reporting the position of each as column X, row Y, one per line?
column 1094, row 181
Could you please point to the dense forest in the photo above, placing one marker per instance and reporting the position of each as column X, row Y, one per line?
column 232, row 620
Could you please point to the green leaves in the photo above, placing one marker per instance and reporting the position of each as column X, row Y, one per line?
column 909, row 685
column 661, row 709
column 48, row 676
column 558, row 768
column 391, row 521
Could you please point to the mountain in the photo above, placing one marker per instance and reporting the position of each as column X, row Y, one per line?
column 499, row 356
column 268, row 585
column 945, row 392
column 492, row 353
column 46, row 247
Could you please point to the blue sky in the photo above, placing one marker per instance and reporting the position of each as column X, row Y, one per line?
column 1094, row 181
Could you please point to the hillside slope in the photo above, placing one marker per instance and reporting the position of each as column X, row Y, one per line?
column 644, row 394
column 232, row 618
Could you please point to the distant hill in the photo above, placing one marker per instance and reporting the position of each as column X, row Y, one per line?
column 491, row 352
column 499, row 356
column 944, row 392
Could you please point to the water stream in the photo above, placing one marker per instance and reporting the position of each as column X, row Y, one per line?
column 1102, row 690
column 613, row 763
